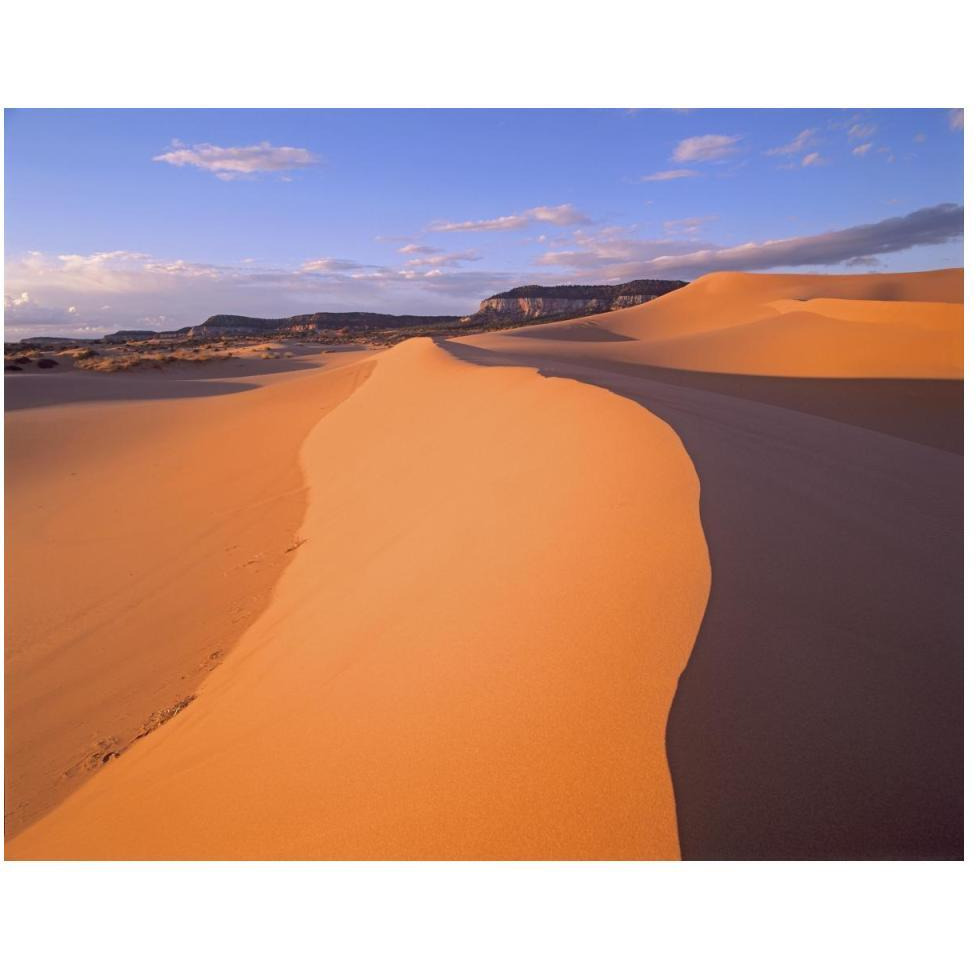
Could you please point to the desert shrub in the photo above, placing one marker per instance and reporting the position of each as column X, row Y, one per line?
column 149, row 360
column 46, row 363
column 13, row 368
column 107, row 364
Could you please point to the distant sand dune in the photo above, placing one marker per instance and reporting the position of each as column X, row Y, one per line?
column 896, row 326
column 472, row 655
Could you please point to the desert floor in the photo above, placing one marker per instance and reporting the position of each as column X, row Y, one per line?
column 679, row 580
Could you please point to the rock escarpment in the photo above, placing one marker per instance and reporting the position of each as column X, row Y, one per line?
column 534, row 302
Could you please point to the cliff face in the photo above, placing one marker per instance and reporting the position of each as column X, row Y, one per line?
column 566, row 301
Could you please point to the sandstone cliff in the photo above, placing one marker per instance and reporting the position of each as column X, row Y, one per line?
column 532, row 302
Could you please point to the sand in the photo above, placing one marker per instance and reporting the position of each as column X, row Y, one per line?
column 147, row 518
column 472, row 654
column 844, row 326
column 502, row 634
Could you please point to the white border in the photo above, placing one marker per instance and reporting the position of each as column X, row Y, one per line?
column 793, row 918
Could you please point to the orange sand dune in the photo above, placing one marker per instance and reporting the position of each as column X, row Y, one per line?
column 147, row 518
column 472, row 655
column 891, row 325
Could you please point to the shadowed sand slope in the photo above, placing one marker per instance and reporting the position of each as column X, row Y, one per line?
column 146, row 520
column 472, row 655
column 897, row 326
column 820, row 715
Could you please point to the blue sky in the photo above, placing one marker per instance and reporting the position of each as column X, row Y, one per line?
column 159, row 218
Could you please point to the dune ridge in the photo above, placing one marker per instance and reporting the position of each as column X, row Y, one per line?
column 907, row 326
column 472, row 654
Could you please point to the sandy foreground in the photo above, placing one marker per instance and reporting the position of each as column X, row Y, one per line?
column 484, row 622
column 472, row 654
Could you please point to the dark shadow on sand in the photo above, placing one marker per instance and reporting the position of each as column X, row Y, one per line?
column 69, row 385
column 584, row 332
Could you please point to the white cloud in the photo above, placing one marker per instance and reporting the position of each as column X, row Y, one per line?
column 668, row 174
column 418, row 249
column 813, row 159
column 956, row 119
column 564, row 215
column 605, row 252
column 332, row 264
column 797, row 144
column 186, row 269
column 237, row 162
column 862, row 130
column 863, row 149
column 450, row 260
column 688, row 225
column 707, row 148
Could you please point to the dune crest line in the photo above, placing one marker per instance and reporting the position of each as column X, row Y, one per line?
column 472, row 655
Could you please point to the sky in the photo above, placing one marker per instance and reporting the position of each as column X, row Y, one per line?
column 157, row 219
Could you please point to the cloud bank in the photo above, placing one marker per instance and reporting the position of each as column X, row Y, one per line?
column 854, row 245
column 89, row 295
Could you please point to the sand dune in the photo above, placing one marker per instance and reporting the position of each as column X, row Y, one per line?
column 146, row 519
column 885, row 325
column 472, row 654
